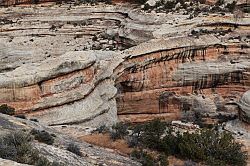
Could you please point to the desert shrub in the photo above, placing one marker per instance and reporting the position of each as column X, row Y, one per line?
column 141, row 2
column 136, row 137
column 206, row 145
column 210, row 146
column 143, row 157
column 231, row 6
column 43, row 136
column 219, row 2
column 21, row 116
column 74, row 149
column 169, row 142
column 5, row 109
column 54, row 163
column 92, row 2
column 147, row 135
column 148, row 160
column 102, row 129
column 42, row 161
column 34, row 120
column 151, row 136
column 162, row 160
column 169, row 5
column 17, row 147
column 133, row 141
column 119, row 130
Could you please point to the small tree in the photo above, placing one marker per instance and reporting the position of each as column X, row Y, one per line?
column 118, row 131
column 152, row 134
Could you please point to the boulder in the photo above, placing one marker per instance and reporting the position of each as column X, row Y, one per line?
column 244, row 105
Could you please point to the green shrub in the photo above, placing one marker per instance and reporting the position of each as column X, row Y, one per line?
column 147, row 160
column 231, row 6
column 119, row 130
column 17, row 147
column 102, row 129
column 42, row 161
column 143, row 157
column 43, row 136
column 74, row 149
column 5, row 109
column 151, row 136
column 219, row 2
column 135, row 139
column 162, row 160
column 207, row 145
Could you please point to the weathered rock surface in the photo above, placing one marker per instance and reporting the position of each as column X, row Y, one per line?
column 67, row 89
column 245, row 107
column 73, row 67
column 169, row 78
column 4, row 162
column 200, row 64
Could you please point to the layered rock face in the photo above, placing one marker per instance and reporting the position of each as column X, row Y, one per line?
column 170, row 79
column 72, row 88
column 46, row 72
column 49, row 72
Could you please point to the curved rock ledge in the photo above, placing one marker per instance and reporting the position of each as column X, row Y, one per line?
column 57, row 64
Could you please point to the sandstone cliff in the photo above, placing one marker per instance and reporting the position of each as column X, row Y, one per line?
column 57, row 65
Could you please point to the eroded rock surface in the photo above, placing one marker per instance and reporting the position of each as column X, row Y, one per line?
column 68, row 65
column 245, row 107
column 4, row 162
column 168, row 79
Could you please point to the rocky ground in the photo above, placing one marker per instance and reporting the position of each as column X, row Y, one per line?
column 92, row 155
column 75, row 67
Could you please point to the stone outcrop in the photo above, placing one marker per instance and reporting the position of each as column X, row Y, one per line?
column 244, row 105
column 71, row 88
column 170, row 78
column 49, row 72
column 77, row 67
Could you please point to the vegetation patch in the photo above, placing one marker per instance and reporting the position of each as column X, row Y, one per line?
column 5, row 109
column 74, row 149
column 43, row 136
column 118, row 131
column 17, row 147
column 155, row 141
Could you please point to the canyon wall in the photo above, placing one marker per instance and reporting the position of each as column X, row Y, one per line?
column 85, row 65
column 172, row 79
column 169, row 79
column 72, row 88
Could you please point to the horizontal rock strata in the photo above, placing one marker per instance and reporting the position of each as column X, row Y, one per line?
column 168, row 79
column 56, row 64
